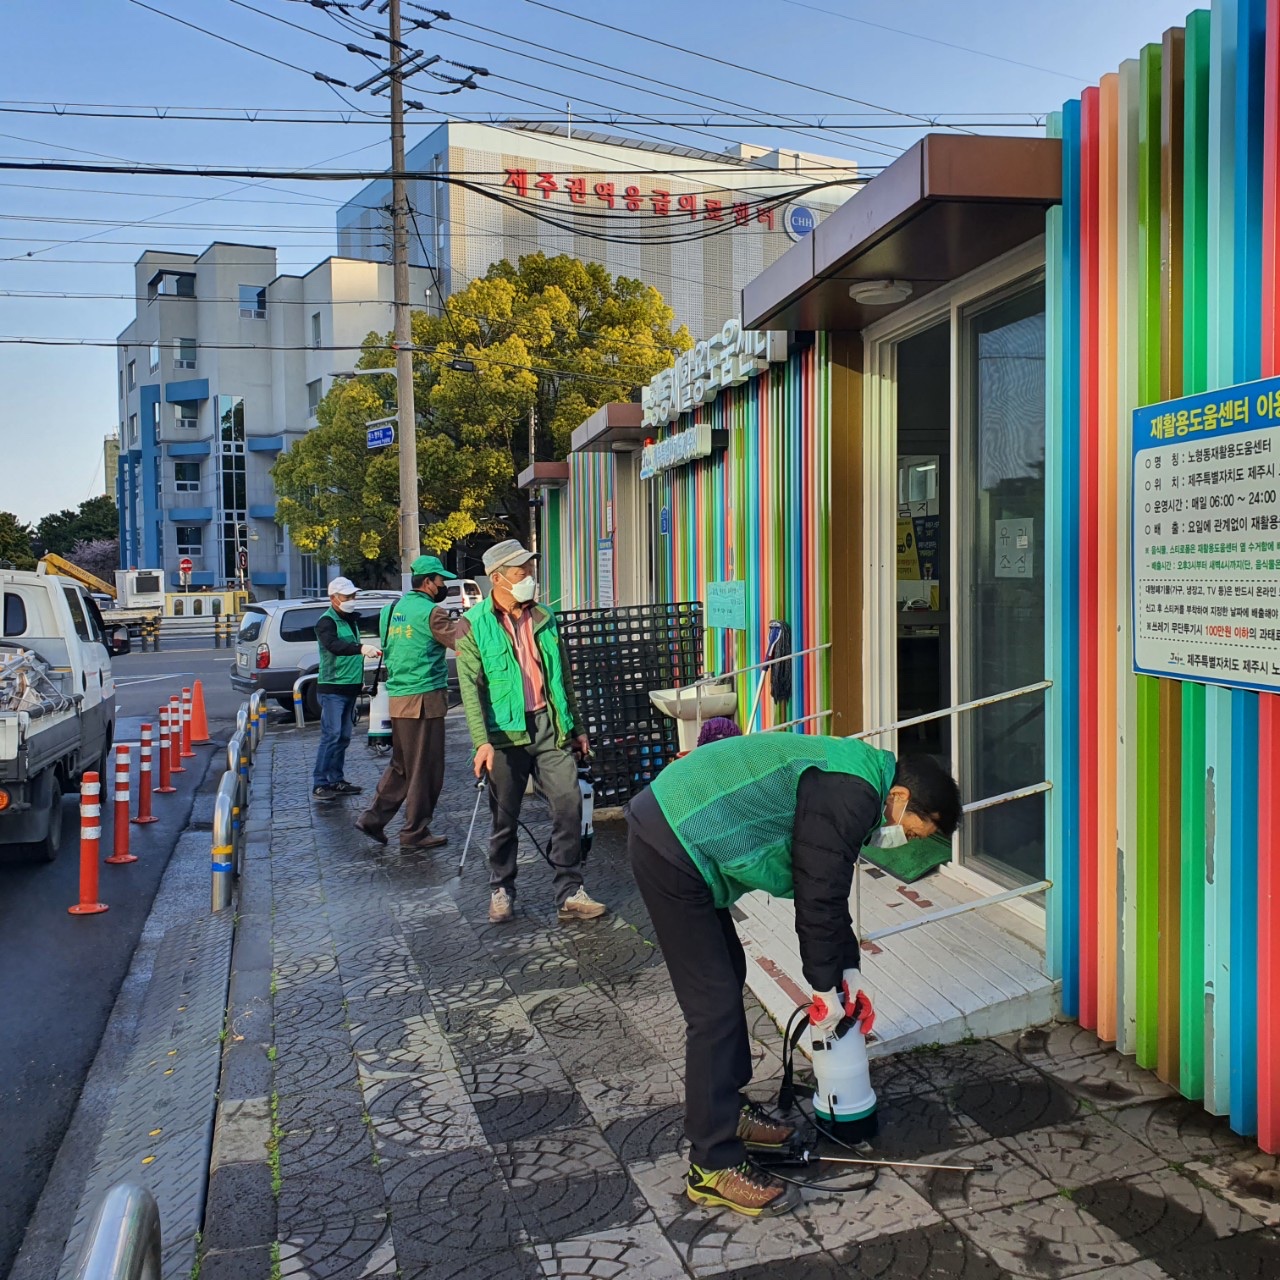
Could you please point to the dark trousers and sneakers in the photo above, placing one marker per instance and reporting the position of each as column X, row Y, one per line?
column 413, row 778
column 708, row 971
column 555, row 775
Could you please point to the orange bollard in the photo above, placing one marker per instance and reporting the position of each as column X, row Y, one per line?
column 90, row 843
column 166, row 755
column 120, row 840
column 144, row 778
column 186, row 752
column 199, row 720
column 175, row 735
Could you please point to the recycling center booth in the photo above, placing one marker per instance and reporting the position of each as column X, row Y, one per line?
column 1020, row 452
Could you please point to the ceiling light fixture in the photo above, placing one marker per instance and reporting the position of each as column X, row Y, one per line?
column 880, row 293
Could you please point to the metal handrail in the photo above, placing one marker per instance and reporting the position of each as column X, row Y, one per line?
column 756, row 666
column 257, row 717
column 993, row 900
column 225, row 852
column 298, row 718
column 123, row 1240
column 955, row 709
column 787, row 724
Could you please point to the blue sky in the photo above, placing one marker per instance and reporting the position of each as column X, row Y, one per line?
column 1017, row 58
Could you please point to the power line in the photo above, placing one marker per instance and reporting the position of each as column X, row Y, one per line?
column 946, row 44
column 707, row 57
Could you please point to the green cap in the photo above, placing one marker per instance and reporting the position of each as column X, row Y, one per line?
column 430, row 564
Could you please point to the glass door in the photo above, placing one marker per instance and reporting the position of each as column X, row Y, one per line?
column 1000, row 501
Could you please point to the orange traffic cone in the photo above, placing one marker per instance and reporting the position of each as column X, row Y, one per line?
column 199, row 721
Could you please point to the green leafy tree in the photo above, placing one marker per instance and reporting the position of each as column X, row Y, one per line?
column 556, row 335
column 15, row 541
column 95, row 519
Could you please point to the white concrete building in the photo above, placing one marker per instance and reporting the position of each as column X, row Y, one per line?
column 219, row 373
column 726, row 211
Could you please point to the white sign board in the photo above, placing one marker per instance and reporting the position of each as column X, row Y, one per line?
column 604, row 573
column 727, row 360
column 1206, row 538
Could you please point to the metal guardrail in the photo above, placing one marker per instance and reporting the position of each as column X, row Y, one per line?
column 299, row 718
column 123, row 1240
column 232, row 801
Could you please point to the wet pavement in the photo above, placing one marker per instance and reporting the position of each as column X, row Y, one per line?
column 419, row 1094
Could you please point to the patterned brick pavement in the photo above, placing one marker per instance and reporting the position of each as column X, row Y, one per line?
column 457, row 1099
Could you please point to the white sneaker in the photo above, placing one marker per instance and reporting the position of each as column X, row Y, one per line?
column 500, row 907
column 581, row 906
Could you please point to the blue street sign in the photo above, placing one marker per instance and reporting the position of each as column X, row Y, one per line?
column 380, row 437
column 664, row 521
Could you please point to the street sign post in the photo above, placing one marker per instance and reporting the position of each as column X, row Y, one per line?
column 184, row 571
column 380, row 433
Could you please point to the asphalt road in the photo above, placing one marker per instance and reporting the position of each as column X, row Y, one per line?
column 61, row 973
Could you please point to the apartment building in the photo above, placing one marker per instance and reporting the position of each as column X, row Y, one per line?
column 220, row 372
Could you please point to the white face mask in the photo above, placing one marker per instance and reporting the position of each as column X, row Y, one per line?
column 524, row 590
column 347, row 606
column 889, row 836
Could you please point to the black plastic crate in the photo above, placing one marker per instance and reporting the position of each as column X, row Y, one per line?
column 616, row 656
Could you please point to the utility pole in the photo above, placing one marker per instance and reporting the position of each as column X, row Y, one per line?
column 533, row 457
column 408, row 432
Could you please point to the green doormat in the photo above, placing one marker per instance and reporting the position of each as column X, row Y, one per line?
column 916, row 858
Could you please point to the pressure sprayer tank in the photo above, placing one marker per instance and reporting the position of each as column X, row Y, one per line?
column 588, row 791
column 379, row 732
column 843, row 1099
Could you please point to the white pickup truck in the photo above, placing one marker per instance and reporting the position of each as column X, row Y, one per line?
column 57, row 702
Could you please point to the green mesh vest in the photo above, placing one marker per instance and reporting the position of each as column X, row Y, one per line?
column 732, row 803
column 341, row 668
column 414, row 658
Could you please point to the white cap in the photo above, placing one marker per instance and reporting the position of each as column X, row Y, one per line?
column 342, row 587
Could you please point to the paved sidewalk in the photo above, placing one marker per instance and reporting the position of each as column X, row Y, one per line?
column 455, row 1099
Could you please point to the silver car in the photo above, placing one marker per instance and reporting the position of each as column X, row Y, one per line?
column 277, row 644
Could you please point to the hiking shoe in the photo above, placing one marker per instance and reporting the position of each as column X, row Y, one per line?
column 501, row 907
column 581, row 906
column 323, row 793
column 424, row 846
column 744, row 1189
column 374, row 833
column 757, row 1128
column 345, row 788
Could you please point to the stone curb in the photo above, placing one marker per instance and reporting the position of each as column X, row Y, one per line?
column 240, row 1211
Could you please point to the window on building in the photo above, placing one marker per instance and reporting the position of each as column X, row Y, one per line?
column 315, row 328
column 190, row 540
column 186, row 413
column 121, row 378
column 186, row 477
column 313, row 398
column 175, row 284
column 153, row 357
column 155, row 421
column 184, row 353
column 279, row 539
column 231, row 478
column 310, row 575
column 253, row 302
column 133, row 430
column 131, row 375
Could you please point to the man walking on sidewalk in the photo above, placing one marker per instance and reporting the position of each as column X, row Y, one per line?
column 415, row 634
column 342, row 655
column 513, row 673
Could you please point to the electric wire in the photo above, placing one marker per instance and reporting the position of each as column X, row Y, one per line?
column 707, row 57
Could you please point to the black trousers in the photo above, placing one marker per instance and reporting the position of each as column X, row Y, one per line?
column 708, row 971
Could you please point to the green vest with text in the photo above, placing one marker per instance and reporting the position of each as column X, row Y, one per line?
column 341, row 668
column 504, row 709
column 414, row 657
column 732, row 803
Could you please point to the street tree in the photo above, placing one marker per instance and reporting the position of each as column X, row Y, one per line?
column 61, row 530
column 98, row 556
column 15, row 542
column 556, row 335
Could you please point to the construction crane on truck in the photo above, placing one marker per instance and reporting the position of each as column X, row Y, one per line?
column 136, row 598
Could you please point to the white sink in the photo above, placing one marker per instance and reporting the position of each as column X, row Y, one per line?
column 693, row 705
